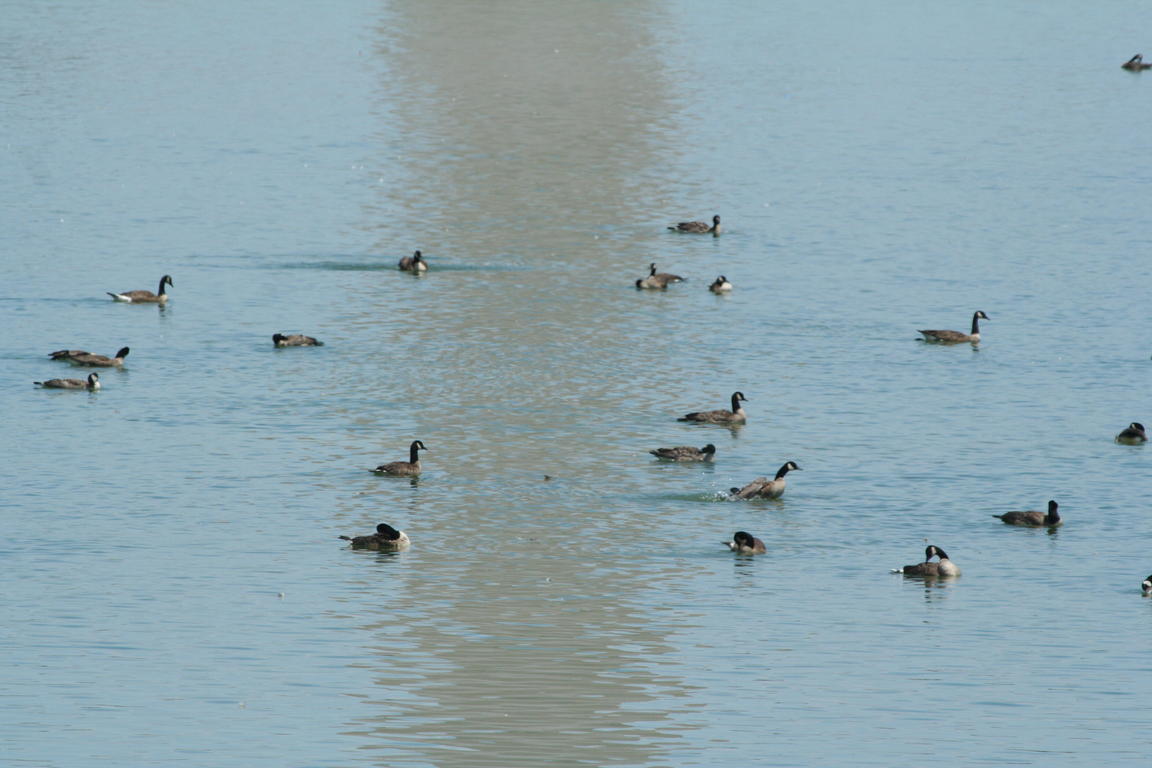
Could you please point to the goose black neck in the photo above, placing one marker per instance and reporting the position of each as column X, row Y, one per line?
column 163, row 286
column 735, row 402
column 975, row 323
column 414, row 452
column 783, row 470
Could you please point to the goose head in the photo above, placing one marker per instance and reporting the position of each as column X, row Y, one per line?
column 788, row 467
column 123, row 352
column 741, row 541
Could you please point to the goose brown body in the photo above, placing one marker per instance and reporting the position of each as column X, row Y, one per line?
column 385, row 539
column 945, row 568
column 657, row 280
column 1133, row 434
column 87, row 359
column 295, row 340
column 763, row 488
column 1136, row 64
column 720, row 285
column 413, row 263
column 721, row 416
column 1033, row 518
column 698, row 227
column 145, row 297
column 686, row 453
column 956, row 337
column 744, row 543
column 407, row 468
column 91, row 383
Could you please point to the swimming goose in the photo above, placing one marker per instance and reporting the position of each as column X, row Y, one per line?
column 385, row 539
column 1033, row 518
column 413, row 263
column 955, row 337
column 945, row 568
column 698, row 227
column 1133, row 434
column 763, row 488
column 1136, row 63
column 720, row 285
column 145, row 297
column 745, row 543
column 80, row 357
column 410, row 467
column 93, row 383
column 295, row 340
column 659, row 280
column 686, row 453
column 734, row 416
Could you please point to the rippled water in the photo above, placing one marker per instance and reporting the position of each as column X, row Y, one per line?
column 174, row 591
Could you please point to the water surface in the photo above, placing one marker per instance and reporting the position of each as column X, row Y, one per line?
column 175, row 592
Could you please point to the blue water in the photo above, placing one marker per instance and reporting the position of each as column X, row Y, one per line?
column 174, row 591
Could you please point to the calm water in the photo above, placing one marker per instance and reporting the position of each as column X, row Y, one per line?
column 173, row 590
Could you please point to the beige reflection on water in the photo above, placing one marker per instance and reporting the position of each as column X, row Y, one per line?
column 519, row 147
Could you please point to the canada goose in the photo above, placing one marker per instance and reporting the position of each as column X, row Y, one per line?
column 80, row 357
column 945, row 568
column 746, row 544
column 1033, row 518
column 144, row 297
column 1146, row 586
column 763, row 488
column 955, row 337
column 734, row 416
column 698, row 227
column 686, row 453
column 413, row 263
column 720, row 285
column 410, row 467
column 93, row 383
column 386, row 538
column 1133, row 434
column 295, row 340
column 1136, row 63
column 658, row 280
